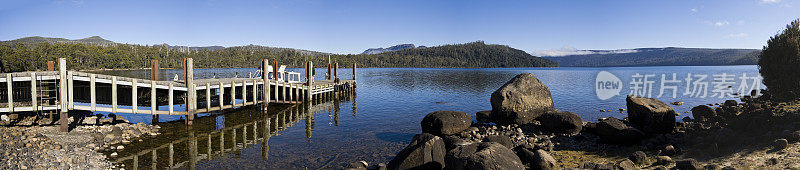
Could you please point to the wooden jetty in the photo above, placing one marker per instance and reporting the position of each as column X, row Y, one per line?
column 64, row 91
column 187, row 150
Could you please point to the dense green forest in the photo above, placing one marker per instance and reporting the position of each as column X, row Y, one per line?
column 670, row 56
column 95, row 53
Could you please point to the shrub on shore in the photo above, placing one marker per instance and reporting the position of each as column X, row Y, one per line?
column 779, row 63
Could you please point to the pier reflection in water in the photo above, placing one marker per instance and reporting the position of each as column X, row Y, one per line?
column 226, row 134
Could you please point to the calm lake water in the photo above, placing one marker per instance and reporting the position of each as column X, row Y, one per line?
column 382, row 116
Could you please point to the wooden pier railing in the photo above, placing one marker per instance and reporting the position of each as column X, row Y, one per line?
column 24, row 92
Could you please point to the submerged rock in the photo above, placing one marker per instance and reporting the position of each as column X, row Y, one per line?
column 426, row 151
column 521, row 100
column 484, row 116
column 485, row 155
column 651, row 115
column 561, row 122
column 445, row 122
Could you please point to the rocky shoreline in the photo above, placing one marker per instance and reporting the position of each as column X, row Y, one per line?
column 524, row 131
column 31, row 145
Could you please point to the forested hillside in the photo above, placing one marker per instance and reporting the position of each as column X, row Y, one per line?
column 662, row 57
column 474, row 54
column 33, row 53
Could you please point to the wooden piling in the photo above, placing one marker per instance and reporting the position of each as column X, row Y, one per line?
column 191, row 93
column 275, row 77
column 153, row 77
column 335, row 70
column 309, row 79
column 265, row 78
column 63, row 101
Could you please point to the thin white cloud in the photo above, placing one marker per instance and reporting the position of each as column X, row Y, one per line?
column 740, row 22
column 770, row 1
column 693, row 10
column 567, row 50
column 721, row 23
column 737, row 35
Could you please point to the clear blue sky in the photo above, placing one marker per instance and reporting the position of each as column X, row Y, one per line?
column 352, row 26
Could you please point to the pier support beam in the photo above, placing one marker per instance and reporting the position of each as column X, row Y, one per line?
column 154, row 77
column 63, row 101
column 265, row 87
column 309, row 79
column 191, row 96
column 275, row 76
column 354, row 71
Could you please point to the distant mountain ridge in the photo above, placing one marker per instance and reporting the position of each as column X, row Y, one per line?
column 99, row 41
column 669, row 56
column 390, row 49
column 93, row 40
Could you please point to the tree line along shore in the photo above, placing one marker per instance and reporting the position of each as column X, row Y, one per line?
column 26, row 56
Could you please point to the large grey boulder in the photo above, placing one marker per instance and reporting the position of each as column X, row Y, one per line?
column 445, row 122
column 561, row 122
column 426, row 151
column 520, row 100
column 482, row 156
column 650, row 115
column 614, row 131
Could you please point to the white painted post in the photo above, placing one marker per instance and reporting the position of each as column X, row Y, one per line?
column 255, row 92
column 221, row 96
column 34, row 104
column 233, row 93
column 134, row 96
column 208, row 97
column 244, row 93
column 171, row 102
column 153, row 105
column 10, row 86
column 71, row 91
column 114, row 94
column 92, row 92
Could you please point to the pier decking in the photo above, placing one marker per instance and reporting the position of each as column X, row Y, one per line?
column 65, row 91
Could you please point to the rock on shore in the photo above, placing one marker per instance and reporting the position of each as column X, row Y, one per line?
column 520, row 100
column 43, row 147
column 651, row 115
column 426, row 151
column 445, row 122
